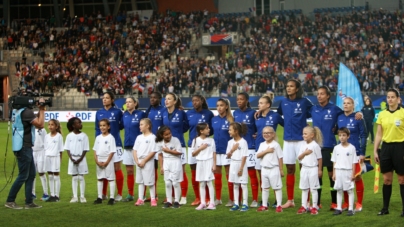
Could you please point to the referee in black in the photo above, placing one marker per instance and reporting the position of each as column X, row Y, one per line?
column 390, row 130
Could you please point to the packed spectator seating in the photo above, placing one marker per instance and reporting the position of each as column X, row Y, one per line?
column 126, row 54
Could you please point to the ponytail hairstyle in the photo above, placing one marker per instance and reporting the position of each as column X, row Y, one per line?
column 327, row 91
column 299, row 93
column 71, row 122
column 395, row 91
column 57, row 123
column 159, row 97
column 247, row 97
column 268, row 98
column 135, row 100
column 229, row 115
column 199, row 128
column 318, row 136
column 240, row 128
column 112, row 96
column 160, row 133
column 178, row 103
column 203, row 99
column 148, row 122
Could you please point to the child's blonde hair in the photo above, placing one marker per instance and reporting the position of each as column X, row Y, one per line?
column 272, row 130
column 148, row 122
column 318, row 136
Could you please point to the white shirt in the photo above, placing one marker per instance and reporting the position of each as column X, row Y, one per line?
column 174, row 144
column 144, row 145
column 207, row 153
column 77, row 143
column 310, row 160
column 104, row 145
column 39, row 144
column 242, row 150
column 53, row 145
column 344, row 157
column 270, row 160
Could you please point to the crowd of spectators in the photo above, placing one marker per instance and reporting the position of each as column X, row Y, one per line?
column 122, row 53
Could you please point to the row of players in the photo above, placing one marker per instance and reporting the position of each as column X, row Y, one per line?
column 203, row 148
column 294, row 108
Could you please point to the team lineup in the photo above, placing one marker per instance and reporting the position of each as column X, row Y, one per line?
column 244, row 143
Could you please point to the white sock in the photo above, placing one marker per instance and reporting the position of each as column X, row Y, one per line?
column 141, row 191
column 82, row 186
column 74, row 185
column 236, row 192
column 99, row 188
column 278, row 194
column 57, row 185
column 202, row 192
column 33, row 186
column 351, row 199
column 314, row 197
column 112, row 189
column 177, row 191
column 44, row 184
column 245, row 194
column 211, row 190
column 169, row 191
column 265, row 196
column 152, row 190
column 52, row 184
column 305, row 195
column 339, row 199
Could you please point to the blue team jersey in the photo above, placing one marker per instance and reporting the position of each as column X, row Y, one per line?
column 114, row 115
column 221, row 136
column 194, row 118
column 178, row 124
column 325, row 118
column 156, row 117
column 295, row 113
column 357, row 132
column 272, row 119
column 247, row 117
column 131, row 123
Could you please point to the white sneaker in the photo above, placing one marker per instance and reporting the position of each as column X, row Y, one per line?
column 230, row 203
column 118, row 198
column 254, row 204
column 218, row 202
column 183, row 201
column 74, row 200
column 83, row 200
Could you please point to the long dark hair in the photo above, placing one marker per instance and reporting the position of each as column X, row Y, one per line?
column 160, row 133
column 240, row 128
column 112, row 96
column 299, row 93
column 178, row 103
column 203, row 99
column 159, row 96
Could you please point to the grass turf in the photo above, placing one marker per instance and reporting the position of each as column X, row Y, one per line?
column 125, row 214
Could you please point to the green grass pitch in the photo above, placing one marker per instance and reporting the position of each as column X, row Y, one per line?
column 126, row 214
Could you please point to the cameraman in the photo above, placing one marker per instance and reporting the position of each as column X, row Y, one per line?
column 25, row 160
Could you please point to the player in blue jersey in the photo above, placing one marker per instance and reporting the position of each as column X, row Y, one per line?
column 295, row 111
column 266, row 117
column 199, row 114
column 220, row 125
column 244, row 114
column 114, row 116
column 155, row 111
column 357, row 138
column 155, row 114
column 131, row 123
column 176, row 119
